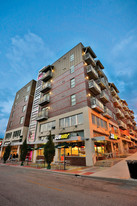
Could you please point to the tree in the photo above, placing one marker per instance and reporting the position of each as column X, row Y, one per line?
column 7, row 153
column 49, row 151
column 24, row 151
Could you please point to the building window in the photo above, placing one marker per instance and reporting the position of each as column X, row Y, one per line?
column 93, row 119
column 21, row 120
column 8, row 135
column 72, row 58
column 47, row 126
column 73, row 100
column 26, row 98
column 10, row 124
column 72, row 69
column 17, row 133
column 71, row 121
column 24, row 108
column 72, row 83
column 28, row 88
column 17, row 96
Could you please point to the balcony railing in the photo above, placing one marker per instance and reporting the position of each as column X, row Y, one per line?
column 131, row 132
column 92, row 72
column 129, row 123
column 97, row 105
column 101, row 82
column 135, row 128
column 119, row 113
column 125, row 107
column 43, row 115
column 127, row 114
column 89, row 59
column 93, row 86
column 132, row 115
column 44, row 100
column 47, row 76
column 107, row 113
column 104, row 97
column 134, row 122
column 122, row 125
column 100, row 72
column 113, row 91
column 117, row 103
column 46, row 87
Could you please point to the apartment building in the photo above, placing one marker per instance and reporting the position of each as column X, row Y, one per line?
column 82, row 109
column 19, row 119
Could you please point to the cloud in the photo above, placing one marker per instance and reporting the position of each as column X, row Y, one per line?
column 5, row 106
column 28, row 54
column 3, row 124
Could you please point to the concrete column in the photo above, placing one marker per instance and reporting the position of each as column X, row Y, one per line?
column 34, row 154
column 120, row 147
column 90, row 152
column 18, row 151
column 56, row 154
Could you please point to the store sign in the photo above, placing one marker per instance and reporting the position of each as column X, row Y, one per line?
column 113, row 136
column 62, row 136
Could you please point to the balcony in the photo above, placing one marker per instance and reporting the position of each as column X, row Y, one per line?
column 45, row 87
column 47, row 76
column 101, row 82
column 104, row 97
column 93, row 87
column 134, row 122
column 92, row 72
column 131, row 132
column 116, row 103
column 119, row 113
column 129, row 123
column 107, row 113
column 97, row 105
column 43, row 115
column 125, row 107
column 122, row 125
column 135, row 128
column 100, row 72
column 132, row 115
column 127, row 114
column 113, row 91
column 44, row 100
column 89, row 59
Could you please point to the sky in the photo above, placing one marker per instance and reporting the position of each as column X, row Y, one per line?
column 35, row 33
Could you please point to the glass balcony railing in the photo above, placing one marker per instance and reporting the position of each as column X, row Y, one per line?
column 97, row 105
column 92, row 72
column 47, row 76
column 129, row 123
column 100, row 71
column 117, row 103
column 89, row 59
column 113, row 91
column 43, row 115
column 44, row 100
column 122, row 125
column 46, row 87
column 93, row 87
column 135, row 128
column 104, row 97
column 102, row 83
column 126, row 114
column 107, row 113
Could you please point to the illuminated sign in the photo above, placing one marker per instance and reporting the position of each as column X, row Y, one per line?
column 113, row 136
column 62, row 136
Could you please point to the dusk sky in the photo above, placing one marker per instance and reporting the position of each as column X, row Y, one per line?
column 35, row 33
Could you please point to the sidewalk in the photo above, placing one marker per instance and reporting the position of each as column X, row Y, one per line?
column 118, row 171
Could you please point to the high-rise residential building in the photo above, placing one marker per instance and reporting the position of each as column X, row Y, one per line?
column 79, row 106
column 19, row 119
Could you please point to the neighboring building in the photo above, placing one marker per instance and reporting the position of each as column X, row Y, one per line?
column 19, row 119
column 75, row 101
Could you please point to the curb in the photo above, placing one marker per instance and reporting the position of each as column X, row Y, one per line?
column 129, row 181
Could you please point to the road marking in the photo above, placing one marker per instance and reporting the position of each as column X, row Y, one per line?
column 37, row 183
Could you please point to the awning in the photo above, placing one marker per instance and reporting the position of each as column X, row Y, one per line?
column 99, row 138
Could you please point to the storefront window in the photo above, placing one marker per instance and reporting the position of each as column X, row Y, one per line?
column 73, row 120
column 80, row 118
column 67, row 122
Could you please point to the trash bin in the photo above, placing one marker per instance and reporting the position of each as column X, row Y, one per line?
column 132, row 166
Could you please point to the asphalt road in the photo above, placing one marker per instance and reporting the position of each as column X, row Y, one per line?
column 31, row 187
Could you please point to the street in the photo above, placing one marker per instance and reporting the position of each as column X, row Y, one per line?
column 31, row 187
